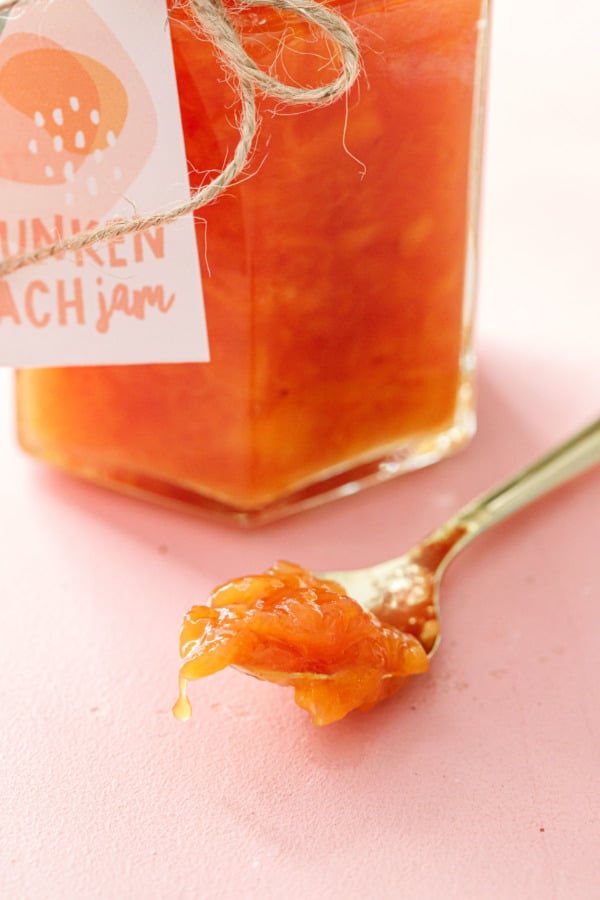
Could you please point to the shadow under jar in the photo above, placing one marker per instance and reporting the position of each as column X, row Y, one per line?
column 338, row 280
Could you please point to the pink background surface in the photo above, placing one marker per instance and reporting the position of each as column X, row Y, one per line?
column 480, row 780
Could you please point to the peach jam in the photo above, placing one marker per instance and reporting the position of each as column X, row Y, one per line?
column 338, row 279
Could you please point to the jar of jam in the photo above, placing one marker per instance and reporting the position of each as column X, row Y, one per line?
column 338, row 279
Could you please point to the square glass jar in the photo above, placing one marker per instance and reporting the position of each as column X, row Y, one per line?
column 339, row 280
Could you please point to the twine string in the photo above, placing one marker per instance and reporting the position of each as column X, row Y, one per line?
column 212, row 19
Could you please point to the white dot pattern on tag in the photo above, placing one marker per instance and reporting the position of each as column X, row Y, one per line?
column 48, row 171
column 69, row 171
column 79, row 140
column 74, row 103
column 32, row 146
column 39, row 119
column 57, row 115
column 95, row 117
column 58, row 143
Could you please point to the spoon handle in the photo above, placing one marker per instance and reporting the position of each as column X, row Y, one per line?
column 578, row 453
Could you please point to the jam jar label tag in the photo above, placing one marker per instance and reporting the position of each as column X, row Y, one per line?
column 91, row 132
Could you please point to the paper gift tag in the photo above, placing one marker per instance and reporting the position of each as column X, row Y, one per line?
column 91, row 131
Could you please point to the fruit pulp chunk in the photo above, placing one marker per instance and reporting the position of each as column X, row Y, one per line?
column 289, row 627
column 334, row 274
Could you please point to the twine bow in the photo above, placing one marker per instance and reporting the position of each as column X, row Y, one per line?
column 212, row 19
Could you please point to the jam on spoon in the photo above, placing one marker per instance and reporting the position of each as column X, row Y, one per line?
column 290, row 627
column 347, row 640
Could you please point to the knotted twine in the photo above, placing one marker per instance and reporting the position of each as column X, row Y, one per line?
column 212, row 19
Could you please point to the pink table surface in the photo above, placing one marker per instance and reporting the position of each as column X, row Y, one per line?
column 480, row 780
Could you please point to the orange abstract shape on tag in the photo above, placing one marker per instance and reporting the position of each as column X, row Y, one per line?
column 71, row 107
column 78, row 122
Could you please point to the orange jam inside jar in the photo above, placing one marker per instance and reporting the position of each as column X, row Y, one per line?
column 338, row 279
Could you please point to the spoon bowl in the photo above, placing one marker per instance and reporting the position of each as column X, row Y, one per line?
column 403, row 592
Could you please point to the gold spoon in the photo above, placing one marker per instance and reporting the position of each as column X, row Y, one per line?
column 404, row 592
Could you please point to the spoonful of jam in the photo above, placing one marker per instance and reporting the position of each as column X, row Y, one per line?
column 347, row 640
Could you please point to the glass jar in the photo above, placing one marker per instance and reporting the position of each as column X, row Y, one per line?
column 338, row 279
